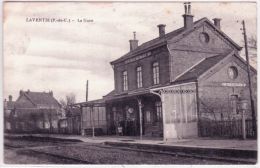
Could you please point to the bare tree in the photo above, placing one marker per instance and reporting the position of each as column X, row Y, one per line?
column 63, row 103
column 252, row 50
column 69, row 100
column 252, row 42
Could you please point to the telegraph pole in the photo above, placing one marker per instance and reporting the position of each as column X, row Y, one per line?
column 249, row 81
column 87, row 91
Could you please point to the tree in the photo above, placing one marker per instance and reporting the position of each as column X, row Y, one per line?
column 252, row 42
column 69, row 100
column 252, row 50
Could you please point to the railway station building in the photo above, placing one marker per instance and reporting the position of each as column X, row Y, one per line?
column 176, row 83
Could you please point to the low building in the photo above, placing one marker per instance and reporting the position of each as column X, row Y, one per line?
column 36, row 112
column 9, row 107
column 93, row 117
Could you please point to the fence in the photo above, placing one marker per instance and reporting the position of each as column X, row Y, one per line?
column 228, row 129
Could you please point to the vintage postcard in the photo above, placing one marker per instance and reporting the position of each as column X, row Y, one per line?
column 123, row 83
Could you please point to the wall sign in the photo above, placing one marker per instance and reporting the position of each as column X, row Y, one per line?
column 138, row 57
column 233, row 84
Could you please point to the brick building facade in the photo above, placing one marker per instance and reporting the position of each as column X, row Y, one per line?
column 169, row 85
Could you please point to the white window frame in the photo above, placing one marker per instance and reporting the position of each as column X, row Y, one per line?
column 156, row 73
column 139, row 77
column 125, row 81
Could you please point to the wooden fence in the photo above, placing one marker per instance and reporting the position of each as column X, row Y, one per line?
column 225, row 129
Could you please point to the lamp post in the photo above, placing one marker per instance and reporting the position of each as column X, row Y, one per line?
column 243, row 106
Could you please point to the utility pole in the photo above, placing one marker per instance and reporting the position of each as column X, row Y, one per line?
column 249, row 81
column 87, row 91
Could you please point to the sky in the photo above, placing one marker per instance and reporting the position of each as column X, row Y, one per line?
column 45, row 56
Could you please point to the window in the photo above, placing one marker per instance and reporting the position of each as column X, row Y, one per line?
column 204, row 37
column 156, row 73
column 139, row 77
column 158, row 106
column 125, row 81
column 232, row 72
column 234, row 101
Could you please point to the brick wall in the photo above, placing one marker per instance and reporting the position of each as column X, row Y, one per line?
column 218, row 97
column 187, row 51
column 160, row 55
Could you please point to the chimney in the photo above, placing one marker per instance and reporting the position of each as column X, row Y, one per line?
column 133, row 43
column 161, row 29
column 21, row 92
column 51, row 93
column 187, row 17
column 10, row 97
column 217, row 22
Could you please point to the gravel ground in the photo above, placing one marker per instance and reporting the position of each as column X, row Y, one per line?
column 22, row 143
column 100, row 155
column 94, row 153
column 29, row 157
column 26, row 143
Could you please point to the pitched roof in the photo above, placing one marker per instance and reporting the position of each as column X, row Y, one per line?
column 23, row 114
column 159, row 41
column 40, row 98
column 112, row 93
column 193, row 73
column 155, row 42
column 98, row 102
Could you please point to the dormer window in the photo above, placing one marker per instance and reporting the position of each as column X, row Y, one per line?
column 156, row 76
column 139, row 77
column 125, row 81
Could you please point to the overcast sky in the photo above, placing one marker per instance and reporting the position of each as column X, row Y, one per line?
column 62, row 56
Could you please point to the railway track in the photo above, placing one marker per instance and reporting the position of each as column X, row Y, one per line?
column 183, row 156
column 61, row 157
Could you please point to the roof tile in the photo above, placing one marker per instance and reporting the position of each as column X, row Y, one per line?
column 199, row 69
